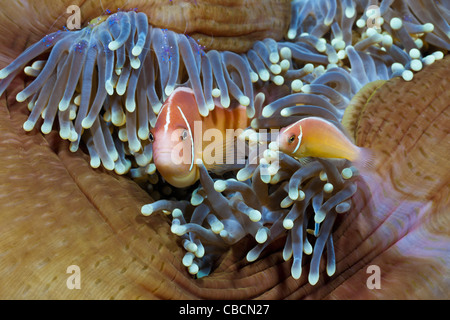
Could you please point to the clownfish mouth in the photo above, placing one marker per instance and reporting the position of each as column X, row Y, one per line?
column 167, row 160
column 173, row 168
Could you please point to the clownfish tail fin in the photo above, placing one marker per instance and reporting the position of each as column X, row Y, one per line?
column 367, row 160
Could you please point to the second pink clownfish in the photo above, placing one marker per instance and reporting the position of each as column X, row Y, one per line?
column 316, row 137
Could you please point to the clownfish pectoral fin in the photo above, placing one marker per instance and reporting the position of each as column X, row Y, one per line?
column 231, row 156
column 299, row 139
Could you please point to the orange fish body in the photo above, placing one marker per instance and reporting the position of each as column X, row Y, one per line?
column 181, row 137
column 316, row 137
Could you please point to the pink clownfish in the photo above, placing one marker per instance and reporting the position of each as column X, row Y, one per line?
column 316, row 137
column 181, row 137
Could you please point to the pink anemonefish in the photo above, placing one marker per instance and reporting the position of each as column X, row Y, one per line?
column 316, row 137
column 181, row 137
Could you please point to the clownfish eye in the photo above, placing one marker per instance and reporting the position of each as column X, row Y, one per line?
column 184, row 135
column 151, row 137
column 291, row 139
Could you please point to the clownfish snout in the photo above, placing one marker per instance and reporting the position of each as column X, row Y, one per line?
column 173, row 165
column 166, row 163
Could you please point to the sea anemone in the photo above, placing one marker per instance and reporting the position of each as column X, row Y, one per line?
column 222, row 212
column 323, row 90
column 130, row 67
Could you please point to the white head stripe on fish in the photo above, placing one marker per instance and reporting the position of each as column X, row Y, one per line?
column 166, row 125
column 190, row 134
column 299, row 140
